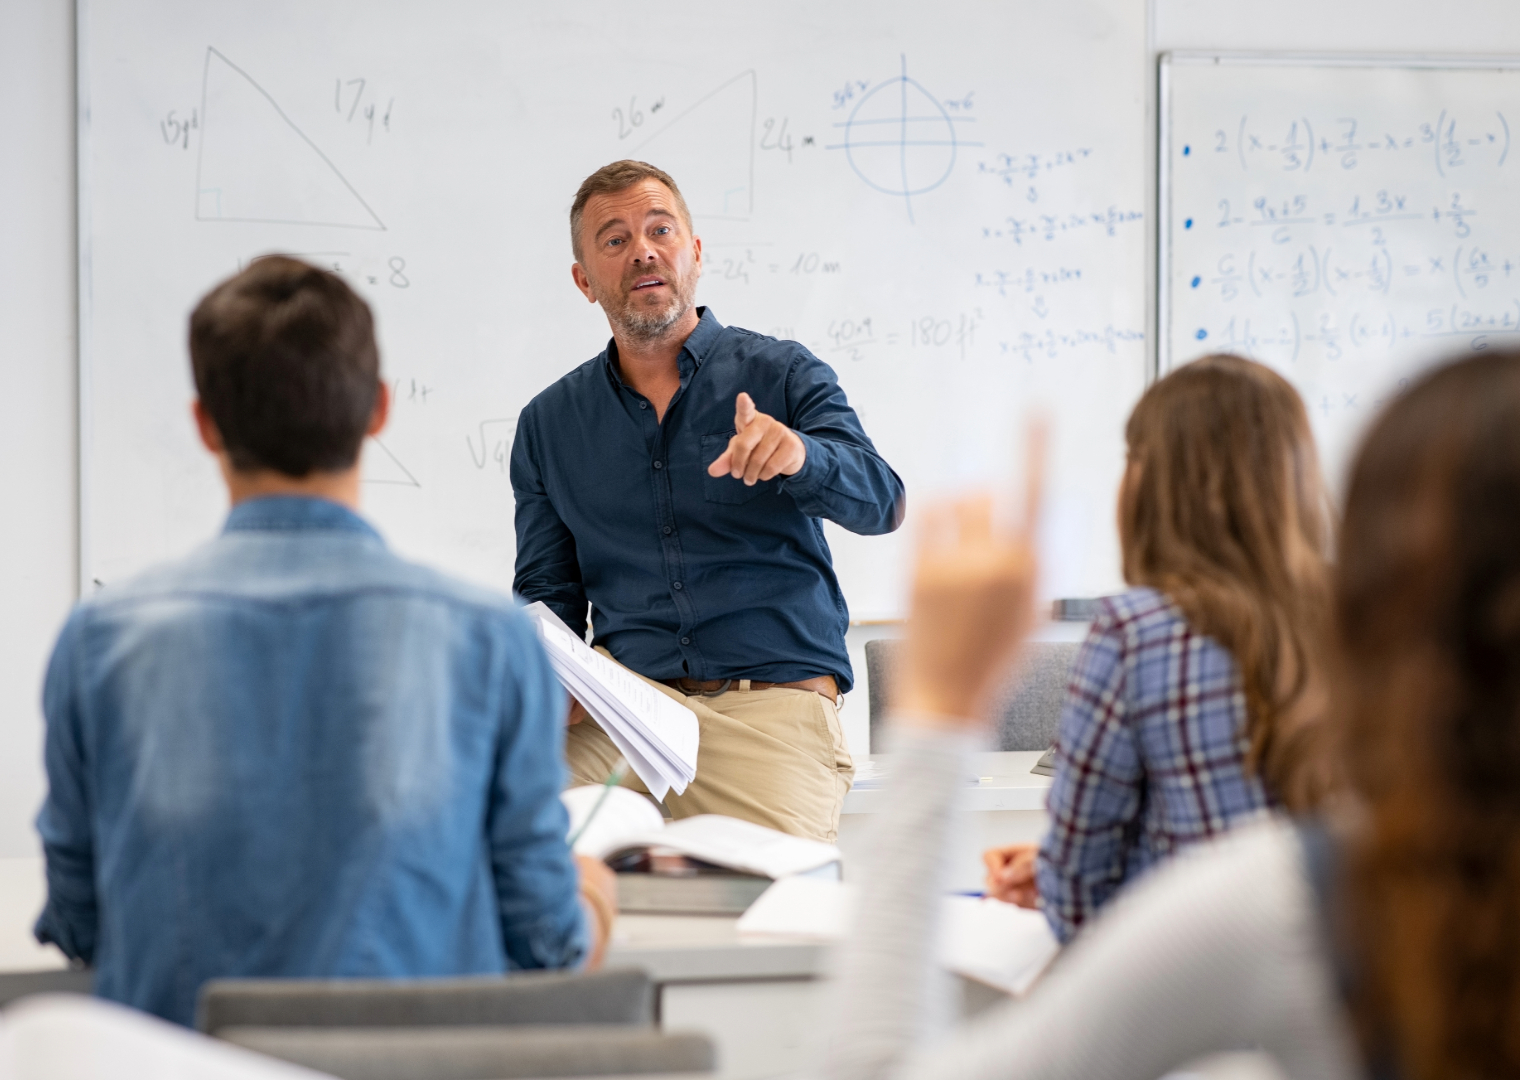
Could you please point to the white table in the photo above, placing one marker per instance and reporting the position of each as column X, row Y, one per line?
column 757, row 999
column 1005, row 806
column 762, row 999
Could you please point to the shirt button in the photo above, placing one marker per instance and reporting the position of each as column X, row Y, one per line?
column 686, row 641
column 643, row 404
column 676, row 585
column 659, row 464
column 668, row 530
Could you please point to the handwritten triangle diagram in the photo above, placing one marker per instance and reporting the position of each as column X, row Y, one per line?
column 257, row 165
column 709, row 149
column 381, row 466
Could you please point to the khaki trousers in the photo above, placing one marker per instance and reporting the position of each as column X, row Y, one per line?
column 776, row 757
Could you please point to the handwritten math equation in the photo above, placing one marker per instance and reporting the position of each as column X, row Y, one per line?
column 361, row 268
column 1346, row 245
column 1048, row 227
column 1021, row 171
column 1299, row 144
column 959, row 333
column 854, row 338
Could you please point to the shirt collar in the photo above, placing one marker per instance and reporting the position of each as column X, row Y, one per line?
column 692, row 352
column 296, row 513
column 707, row 331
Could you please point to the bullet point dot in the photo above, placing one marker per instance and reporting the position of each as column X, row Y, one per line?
column 1188, row 224
column 1197, row 281
column 1202, row 333
column 1186, row 150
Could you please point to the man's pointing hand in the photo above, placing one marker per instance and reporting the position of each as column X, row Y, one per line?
column 762, row 447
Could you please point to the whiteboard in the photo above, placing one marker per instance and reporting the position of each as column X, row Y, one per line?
column 1349, row 222
column 946, row 204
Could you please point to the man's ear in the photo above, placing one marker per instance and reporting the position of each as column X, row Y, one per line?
column 582, row 282
column 696, row 247
column 211, row 435
column 382, row 411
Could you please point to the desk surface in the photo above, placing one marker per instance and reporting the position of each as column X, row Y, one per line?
column 703, row 948
column 708, row 948
column 1004, row 783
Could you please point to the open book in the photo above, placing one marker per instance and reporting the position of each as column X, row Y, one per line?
column 656, row 733
column 628, row 822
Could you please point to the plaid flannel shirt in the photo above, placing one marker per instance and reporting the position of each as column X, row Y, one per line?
column 1151, row 755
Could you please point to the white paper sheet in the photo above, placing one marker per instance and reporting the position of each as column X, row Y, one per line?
column 658, row 735
column 996, row 943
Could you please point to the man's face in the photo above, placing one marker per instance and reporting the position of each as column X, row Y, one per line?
column 639, row 259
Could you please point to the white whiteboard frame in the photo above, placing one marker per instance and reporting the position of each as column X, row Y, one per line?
column 1164, row 359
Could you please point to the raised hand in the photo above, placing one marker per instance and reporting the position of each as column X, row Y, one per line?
column 973, row 605
column 762, row 447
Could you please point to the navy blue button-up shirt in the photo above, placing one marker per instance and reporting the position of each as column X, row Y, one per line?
column 692, row 574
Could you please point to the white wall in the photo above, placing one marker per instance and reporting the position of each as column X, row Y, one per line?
column 1420, row 27
column 37, row 363
column 37, row 295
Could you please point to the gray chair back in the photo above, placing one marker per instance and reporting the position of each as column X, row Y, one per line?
column 15, row 985
column 623, row 996
column 476, row 1053
column 1030, row 714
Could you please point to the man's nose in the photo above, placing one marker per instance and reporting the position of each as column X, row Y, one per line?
column 644, row 252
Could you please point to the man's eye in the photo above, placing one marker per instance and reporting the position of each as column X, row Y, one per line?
column 662, row 230
column 614, row 242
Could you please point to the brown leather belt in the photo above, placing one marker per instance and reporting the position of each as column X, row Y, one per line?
column 823, row 686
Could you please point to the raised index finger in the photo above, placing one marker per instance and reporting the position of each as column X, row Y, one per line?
column 744, row 411
column 1036, row 442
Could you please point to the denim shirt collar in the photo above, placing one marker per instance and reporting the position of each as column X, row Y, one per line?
column 296, row 513
column 692, row 352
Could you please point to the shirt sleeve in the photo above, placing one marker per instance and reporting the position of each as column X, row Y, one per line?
column 69, row 918
column 1216, row 951
column 843, row 479
column 1098, row 789
column 548, row 568
column 543, row 924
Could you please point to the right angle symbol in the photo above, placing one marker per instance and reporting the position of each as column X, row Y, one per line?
column 900, row 140
column 710, row 149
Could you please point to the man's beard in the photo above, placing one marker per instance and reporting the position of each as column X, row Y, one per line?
column 645, row 324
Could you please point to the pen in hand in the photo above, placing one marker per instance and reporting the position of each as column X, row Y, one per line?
column 619, row 771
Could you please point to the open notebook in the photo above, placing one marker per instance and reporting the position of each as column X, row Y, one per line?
column 656, row 733
column 628, row 822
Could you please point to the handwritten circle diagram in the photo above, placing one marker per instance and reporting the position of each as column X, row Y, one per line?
column 899, row 139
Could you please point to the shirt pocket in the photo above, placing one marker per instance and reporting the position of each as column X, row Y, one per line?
column 725, row 489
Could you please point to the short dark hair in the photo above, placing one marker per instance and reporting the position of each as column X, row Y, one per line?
column 609, row 180
column 286, row 364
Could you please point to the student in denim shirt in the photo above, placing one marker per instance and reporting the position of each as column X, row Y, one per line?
column 1192, row 696
column 291, row 753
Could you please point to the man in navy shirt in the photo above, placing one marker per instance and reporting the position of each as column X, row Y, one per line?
column 677, row 483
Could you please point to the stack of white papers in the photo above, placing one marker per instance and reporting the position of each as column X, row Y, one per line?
column 657, row 734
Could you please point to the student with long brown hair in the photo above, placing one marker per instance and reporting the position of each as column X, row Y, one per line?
column 1194, row 688
column 1385, row 944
